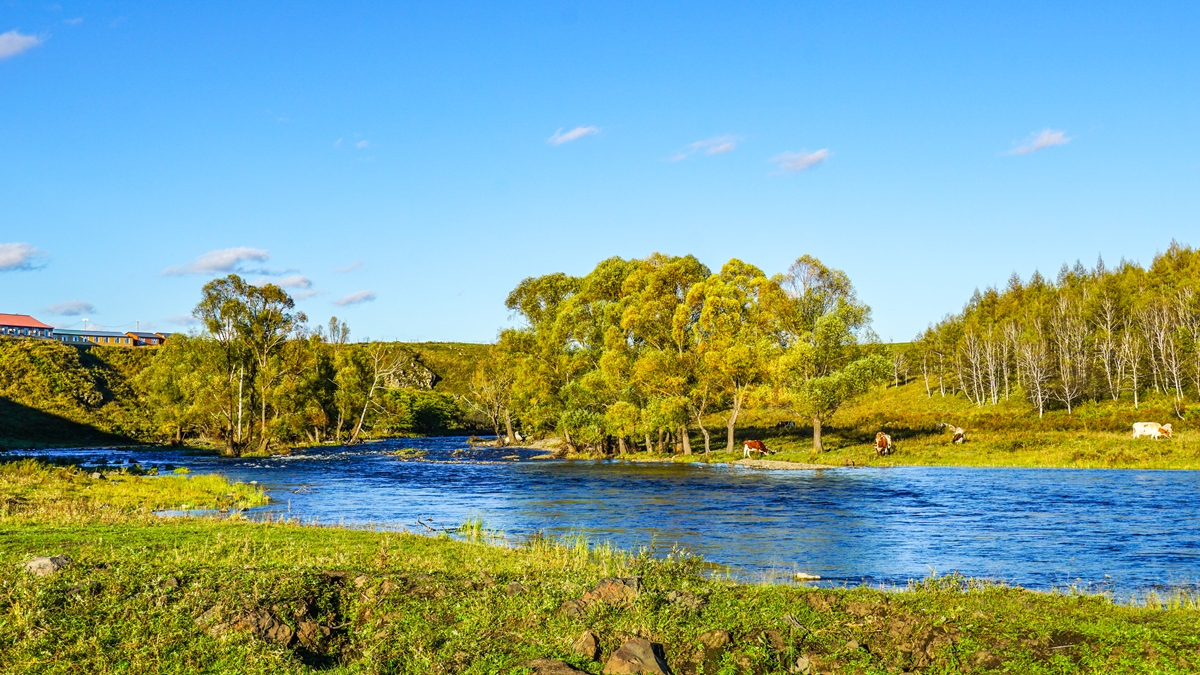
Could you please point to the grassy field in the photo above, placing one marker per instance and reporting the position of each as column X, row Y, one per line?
column 1004, row 435
column 150, row 595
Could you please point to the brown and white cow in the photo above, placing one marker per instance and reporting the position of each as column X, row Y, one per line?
column 958, row 434
column 883, row 444
column 1152, row 429
column 754, row 446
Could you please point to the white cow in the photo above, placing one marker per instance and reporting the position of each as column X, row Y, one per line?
column 1152, row 429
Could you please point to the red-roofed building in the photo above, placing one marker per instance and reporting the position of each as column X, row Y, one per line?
column 23, row 325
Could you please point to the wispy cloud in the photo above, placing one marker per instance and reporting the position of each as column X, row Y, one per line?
column 1048, row 138
column 304, row 295
column 221, row 260
column 795, row 162
column 13, row 43
column 18, row 257
column 709, row 146
column 363, row 144
column 183, row 320
column 349, row 268
column 356, row 298
column 575, row 134
column 74, row 22
column 72, row 308
column 294, row 281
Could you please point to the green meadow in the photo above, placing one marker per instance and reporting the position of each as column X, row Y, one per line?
column 144, row 594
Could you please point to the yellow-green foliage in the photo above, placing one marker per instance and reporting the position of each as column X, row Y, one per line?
column 151, row 595
column 29, row 487
column 453, row 362
column 56, row 394
column 1095, row 435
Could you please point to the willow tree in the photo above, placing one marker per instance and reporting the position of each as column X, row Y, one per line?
column 733, row 333
column 823, row 327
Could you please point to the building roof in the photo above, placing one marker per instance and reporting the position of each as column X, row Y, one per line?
column 21, row 321
column 94, row 333
column 142, row 334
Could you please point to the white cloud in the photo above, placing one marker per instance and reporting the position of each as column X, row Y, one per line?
column 709, row 146
column 304, row 295
column 221, row 260
column 18, row 257
column 183, row 320
column 349, row 268
column 71, row 308
column 1048, row 138
column 356, row 298
column 74, row 22
column 295, row 281
column 363, row 144
column 560, row 137
column 13, row 43
column 794, row 162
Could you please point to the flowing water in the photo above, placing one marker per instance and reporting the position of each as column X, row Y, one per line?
column 1120, row 531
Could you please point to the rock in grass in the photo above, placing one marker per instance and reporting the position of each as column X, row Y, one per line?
column 42, row 566
column 551, row 667
column 685, row 600
column 514, row 588
column 616, row 592
column 587, row 645
column 637, row 656
column 712, row 647
column 803, row 666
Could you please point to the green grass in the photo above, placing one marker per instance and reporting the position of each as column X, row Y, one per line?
column 1094, row 436
column 151, row 595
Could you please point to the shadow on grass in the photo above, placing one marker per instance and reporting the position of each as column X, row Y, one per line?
column 22, row 427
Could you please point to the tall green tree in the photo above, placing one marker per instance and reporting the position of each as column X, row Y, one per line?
column 823, row 363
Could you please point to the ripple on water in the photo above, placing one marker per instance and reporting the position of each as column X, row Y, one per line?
column 1116, row 530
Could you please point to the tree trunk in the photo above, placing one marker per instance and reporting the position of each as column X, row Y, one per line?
column 816, row 424
column 687, row 442
column 508, row 427
column 621, row 444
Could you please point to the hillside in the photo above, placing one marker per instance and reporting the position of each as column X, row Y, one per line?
column 1093, row 435
column 57, row 395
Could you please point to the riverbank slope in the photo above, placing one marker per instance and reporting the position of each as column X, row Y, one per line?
column 143, row 594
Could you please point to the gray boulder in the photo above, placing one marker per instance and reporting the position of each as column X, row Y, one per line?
column 42, row 566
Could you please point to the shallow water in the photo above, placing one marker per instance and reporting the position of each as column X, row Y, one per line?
column 1122, row 531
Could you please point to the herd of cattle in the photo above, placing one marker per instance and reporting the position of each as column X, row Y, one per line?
column 883, row 442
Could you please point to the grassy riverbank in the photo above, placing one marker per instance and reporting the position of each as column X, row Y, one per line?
column 147, row 595
column 1093, row 436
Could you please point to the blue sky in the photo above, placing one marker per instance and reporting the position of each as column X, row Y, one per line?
column 415, row 161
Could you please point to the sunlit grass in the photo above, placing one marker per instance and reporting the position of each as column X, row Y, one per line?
column 393, row 602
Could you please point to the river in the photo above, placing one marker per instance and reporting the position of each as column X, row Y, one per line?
column 1120, row 531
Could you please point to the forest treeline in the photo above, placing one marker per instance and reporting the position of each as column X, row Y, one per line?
column 1103, row 333
column 646, row 352
column 643, row 354
column 264, row 382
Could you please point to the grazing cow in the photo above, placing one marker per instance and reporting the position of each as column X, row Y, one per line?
column 785, row 425
column 754, row 446
column 959, row 435
column 883, row 444
column 1152, row 429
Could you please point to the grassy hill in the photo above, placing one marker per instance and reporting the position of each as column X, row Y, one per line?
column 58, row 395
column 1094, row 435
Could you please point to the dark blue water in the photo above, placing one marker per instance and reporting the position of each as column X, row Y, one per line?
column 1123, row 531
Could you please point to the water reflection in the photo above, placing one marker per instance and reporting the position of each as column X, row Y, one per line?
column 1121, row 530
